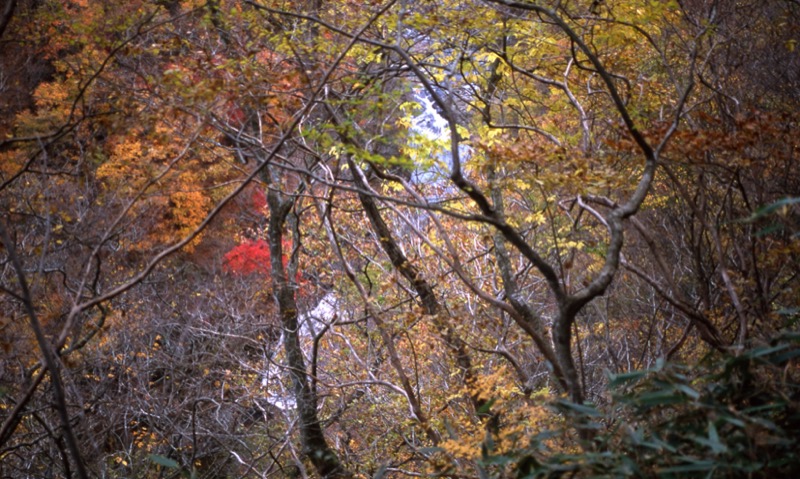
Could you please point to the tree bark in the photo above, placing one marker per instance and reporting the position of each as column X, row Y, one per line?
column 6, row 15
column 428, row 298
column 312, row 437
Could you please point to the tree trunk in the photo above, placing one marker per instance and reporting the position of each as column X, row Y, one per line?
column 315, row 446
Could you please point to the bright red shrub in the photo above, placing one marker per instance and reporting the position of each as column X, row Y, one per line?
column 249, row 257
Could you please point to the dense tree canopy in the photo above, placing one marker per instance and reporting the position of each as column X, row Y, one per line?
column 463, row 238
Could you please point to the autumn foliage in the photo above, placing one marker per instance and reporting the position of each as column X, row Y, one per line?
column 248, row 257
column 505, row 229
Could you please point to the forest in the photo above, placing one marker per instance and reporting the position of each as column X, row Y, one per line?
column 351, row 239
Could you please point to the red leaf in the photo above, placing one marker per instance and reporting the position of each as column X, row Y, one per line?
column 259, row 200
column 248, row 258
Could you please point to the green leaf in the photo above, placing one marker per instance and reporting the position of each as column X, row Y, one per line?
column 658, row 444
column 579, row 408
column 695, row 466
column 732, row 420
column 164, row 461
column 765, row 423
column 764, row 407
column 790, row 335
column 616, row 380
column 688, row 391
column 769, row 230
column 431, row 450
column 381, row 472
column 784, row 357
column 450, row 431
column 761, row 352
column 660, row 398
column 486, row 408
column 498, row 460
column 770, row 209
column 713, row 440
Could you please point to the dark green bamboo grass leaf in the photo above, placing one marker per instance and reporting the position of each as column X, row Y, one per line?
column 694, row 466
column 381, row 472
column 688, row 391
column 661, row 445
column 782, row 358
column 732, row 420
column 774, row 228
column 660, row 398
column 164, row 461
column 498, row 460
column 761, row 352
column 639, row 439
column 764, row 407
column 770, row 209
column 431, row 450
column 616, row 380
column 712, row 441
column 486, row 408
column 579, row 408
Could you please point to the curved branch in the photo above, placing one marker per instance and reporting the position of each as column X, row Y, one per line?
column 49, row 357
